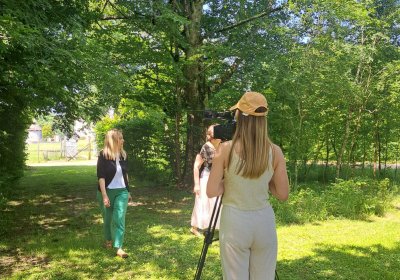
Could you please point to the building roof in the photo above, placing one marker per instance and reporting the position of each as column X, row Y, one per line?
column 35, row 127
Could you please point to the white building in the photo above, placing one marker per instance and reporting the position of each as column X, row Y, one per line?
column 34, row 133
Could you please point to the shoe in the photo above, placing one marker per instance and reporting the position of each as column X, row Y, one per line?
column 108, row 244
column 195, row 232
column 121, row 253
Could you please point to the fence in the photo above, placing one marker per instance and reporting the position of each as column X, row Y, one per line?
column 63, row 150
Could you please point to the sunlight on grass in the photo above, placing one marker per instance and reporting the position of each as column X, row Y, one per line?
column 328, row 273
column 341, row 243
column 159, row 231
column 54, row 231
column 170, row 211
column 14, row 203
column 98, row 219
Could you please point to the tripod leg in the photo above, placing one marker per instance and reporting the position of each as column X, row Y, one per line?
column 208, row 239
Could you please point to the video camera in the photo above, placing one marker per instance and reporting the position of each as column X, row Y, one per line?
column 223, row 131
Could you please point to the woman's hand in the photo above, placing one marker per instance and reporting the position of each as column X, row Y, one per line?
column 196, row 189
column 106, row 201
column 102, row 184
column 129, row 198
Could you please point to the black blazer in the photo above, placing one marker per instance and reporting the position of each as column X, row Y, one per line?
column 107, row 168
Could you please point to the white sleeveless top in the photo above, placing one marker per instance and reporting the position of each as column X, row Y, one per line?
column 118, row 180
column 244, row 193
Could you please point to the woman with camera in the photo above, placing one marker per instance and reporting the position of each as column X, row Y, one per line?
column 245, row 170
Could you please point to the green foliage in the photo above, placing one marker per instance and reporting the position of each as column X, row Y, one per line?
column 144, row 142
column 13, row 133
column 328, row 68
column 47, row 131
column 101, row 129
column 353, row 199
column 49, row 64
column 148, row 155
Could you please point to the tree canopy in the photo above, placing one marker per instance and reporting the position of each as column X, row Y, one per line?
column 329, row 70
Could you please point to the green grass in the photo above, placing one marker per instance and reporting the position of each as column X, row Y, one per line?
column 42, row 152
column 50, row 228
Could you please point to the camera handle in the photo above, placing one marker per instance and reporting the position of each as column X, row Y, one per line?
column 208, row 238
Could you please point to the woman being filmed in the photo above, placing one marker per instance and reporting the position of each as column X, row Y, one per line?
column 113, row 194
column 203, row 205
column 245, row 170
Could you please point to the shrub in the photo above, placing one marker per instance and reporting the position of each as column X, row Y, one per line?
column 353, row 199
column 147, row 152
column 358, row 198
column 304, row 205
column 13, row 133
column 345, row 199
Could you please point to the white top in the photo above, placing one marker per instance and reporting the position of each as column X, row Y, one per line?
column 118, row 180
column 244, row 193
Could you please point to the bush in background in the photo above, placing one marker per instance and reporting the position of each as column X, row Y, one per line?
column 144, row 143
column 352, row 199
column 13, row 134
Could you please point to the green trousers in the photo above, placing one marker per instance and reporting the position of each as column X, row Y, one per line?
column 114, row 216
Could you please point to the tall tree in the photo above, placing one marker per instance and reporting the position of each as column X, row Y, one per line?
column 46, row 65
column 191, row 48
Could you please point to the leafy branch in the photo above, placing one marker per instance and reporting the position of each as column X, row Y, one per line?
column 260, row 15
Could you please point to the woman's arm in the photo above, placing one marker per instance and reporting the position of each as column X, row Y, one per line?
column 215, row 184
column 196, row 173
column 101, row 177
column 279, row 184
column 102, row 183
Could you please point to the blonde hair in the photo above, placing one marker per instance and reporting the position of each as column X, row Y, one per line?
column 252, row 136
column 113, row 145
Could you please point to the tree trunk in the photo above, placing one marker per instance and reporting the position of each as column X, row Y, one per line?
column 297, row 152
column 376, row 145
column 193, row 88
column 386, row 153
column 344, row 143
column 375, row 155
column 379, row 152
column 326, row 159
column 397, row 157
column 177, row 137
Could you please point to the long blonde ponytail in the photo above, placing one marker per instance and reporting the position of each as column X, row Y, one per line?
column 251, row 136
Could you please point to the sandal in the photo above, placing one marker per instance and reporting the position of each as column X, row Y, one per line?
column 121, row 253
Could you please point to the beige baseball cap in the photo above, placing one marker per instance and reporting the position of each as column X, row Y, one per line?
column 250, row 102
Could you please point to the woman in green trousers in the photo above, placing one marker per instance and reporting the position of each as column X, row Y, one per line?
column 113, row 190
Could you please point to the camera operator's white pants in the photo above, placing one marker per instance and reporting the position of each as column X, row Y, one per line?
column 248, row 244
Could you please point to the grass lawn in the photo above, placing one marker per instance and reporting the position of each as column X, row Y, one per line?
column 50, row 228
column 44, row 151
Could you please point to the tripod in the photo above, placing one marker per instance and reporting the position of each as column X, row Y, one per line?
column 208, row 238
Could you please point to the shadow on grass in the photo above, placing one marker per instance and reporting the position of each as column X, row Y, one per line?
column 51, row 228
column 344, row 262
